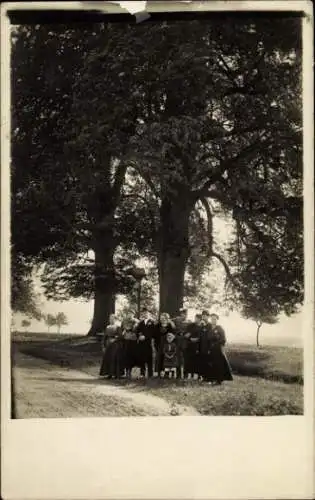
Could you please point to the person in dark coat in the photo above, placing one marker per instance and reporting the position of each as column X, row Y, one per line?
column 219, row 367
column 181, row 325
column 130, row 345
column 204, row 347
column 191, row 360
column 112, row 362
column 163, row 327
column 145, row 331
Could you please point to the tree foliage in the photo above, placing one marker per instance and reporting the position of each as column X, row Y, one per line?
column 61, row 320
column 249, row 162
column 261, row 311
column 50, row 320
column 23, row 298
column 145, row 158
column 25, row 324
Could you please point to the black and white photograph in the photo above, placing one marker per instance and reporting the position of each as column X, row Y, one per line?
column 157, row 237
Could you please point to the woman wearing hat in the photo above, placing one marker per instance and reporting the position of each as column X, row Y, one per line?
column 219, row 367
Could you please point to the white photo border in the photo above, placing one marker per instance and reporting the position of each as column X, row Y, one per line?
column 207, row 457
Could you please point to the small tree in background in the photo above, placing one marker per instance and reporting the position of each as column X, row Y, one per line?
column 25, row 324
column 61, row 320
column 261, row 311
column 50, row 321
column 259, row 322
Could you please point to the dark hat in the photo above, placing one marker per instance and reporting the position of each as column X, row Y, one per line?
column 205, row 313
column 144, row 309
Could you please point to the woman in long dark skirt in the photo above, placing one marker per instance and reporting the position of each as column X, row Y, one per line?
column 219, row 367
column 112, row 363
column 131, row 357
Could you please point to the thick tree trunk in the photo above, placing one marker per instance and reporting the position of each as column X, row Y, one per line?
column 104, row 297
column 104, row 305
column 174, row 252
column 102, row 207
column 172, row 283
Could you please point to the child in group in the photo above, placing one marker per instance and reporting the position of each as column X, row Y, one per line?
column 163, row 327
column 170, row 355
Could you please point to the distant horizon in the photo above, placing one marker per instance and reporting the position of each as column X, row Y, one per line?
column 286, row 332
column 291, row 342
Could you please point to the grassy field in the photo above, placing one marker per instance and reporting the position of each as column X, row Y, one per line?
column 268, row 380
column 244, row 396
column 283, row 364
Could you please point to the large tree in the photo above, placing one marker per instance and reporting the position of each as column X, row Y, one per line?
column 229, row 131
column 45, row 62
column 66, row 174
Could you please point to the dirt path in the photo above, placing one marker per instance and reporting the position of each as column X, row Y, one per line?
column 43, row 390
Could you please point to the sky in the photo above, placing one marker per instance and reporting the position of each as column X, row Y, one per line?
column 287, row 332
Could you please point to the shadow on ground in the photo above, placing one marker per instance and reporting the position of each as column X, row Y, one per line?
column 84, row 353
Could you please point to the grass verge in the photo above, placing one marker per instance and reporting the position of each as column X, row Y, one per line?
column 282, row 364
column 271, row 381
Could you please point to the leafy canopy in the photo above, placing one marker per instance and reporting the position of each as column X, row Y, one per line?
column 229, row 131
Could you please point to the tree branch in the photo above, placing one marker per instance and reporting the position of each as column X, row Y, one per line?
column 225, row 164
column 133, row 164
column 226, row 133
column 226, row 268
column 119, row 180
column 228, row 71
column 207, row 208
column 138, row 196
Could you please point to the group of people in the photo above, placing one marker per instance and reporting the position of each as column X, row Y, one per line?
column 171, row 348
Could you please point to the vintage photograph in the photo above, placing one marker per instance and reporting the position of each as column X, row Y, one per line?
column 157, row 250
